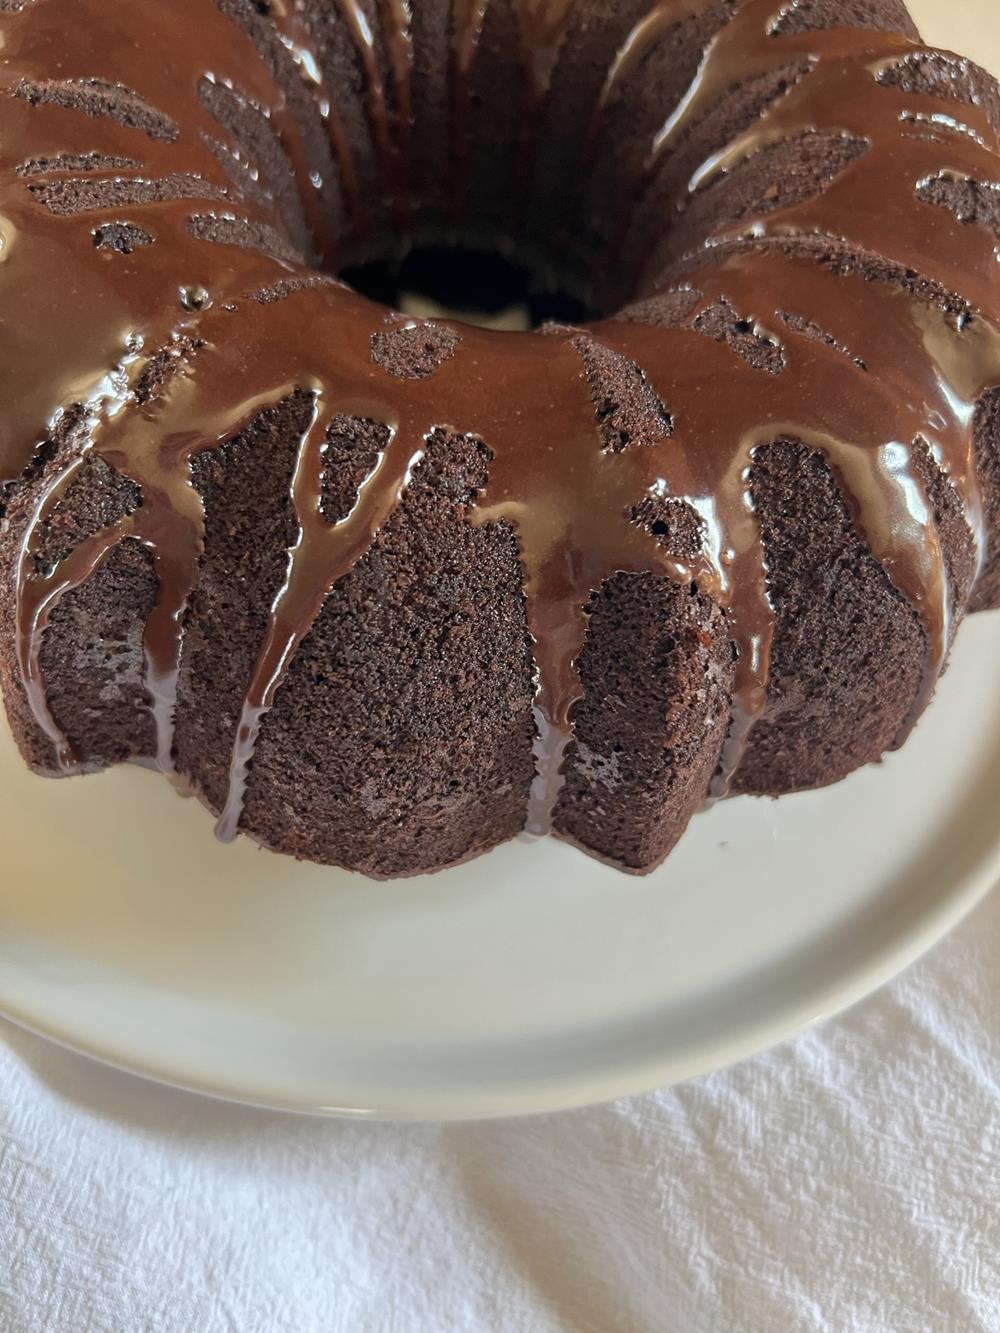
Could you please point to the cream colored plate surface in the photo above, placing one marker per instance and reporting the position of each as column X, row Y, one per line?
column 531, row 979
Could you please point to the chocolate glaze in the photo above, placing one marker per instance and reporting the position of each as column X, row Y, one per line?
column 915, row 372
column 399, row 41
column 391, row 149
column 651, row 29
column 295, row 37
column 543, row 27
column 466, row 29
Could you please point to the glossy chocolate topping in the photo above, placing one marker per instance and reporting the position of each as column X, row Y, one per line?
column 898, row 365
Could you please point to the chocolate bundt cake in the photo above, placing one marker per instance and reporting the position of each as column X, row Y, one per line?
column 384, row 591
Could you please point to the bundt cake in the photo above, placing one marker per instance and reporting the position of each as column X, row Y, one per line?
column 384, row 591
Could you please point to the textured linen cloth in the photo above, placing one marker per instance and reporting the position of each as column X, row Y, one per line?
column 848, row 1181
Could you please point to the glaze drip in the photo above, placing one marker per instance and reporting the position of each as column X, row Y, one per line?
column 322, row 555
column 390, row 146
column 543, row 28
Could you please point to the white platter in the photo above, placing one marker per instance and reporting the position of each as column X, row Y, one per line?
column 531, row 979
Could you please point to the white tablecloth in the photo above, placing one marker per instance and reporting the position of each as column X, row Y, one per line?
column 847, row 1182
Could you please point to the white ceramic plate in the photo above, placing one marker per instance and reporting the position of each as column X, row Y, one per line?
column 531, row 979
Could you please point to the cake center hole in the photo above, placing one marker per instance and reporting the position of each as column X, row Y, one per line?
column 460, row 282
